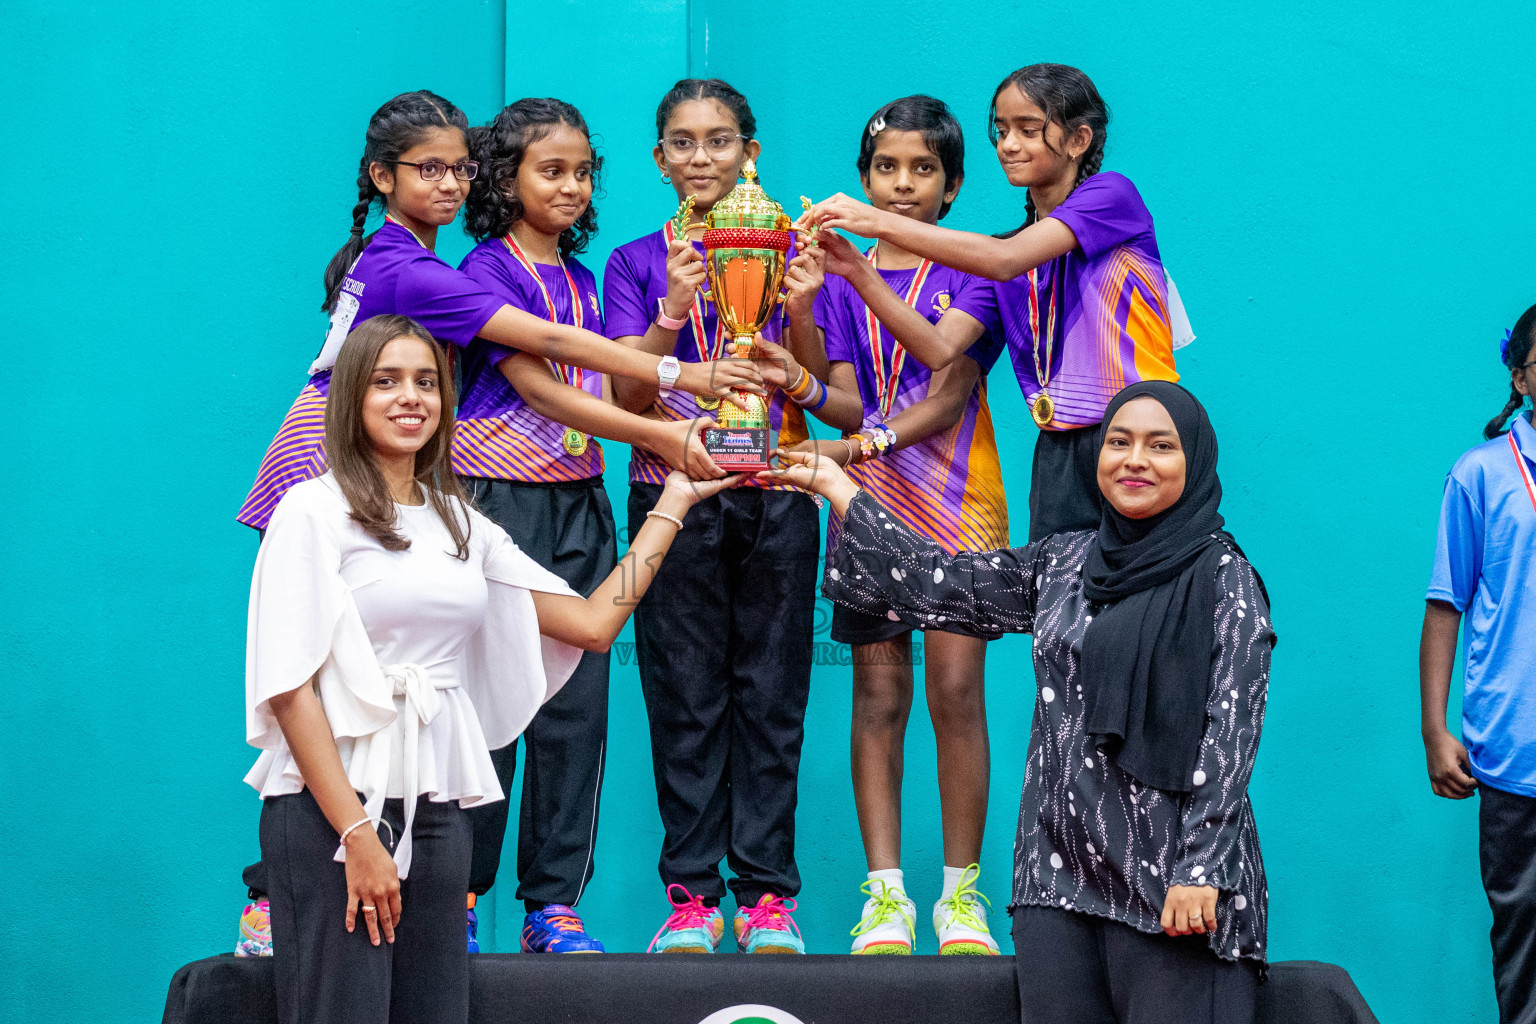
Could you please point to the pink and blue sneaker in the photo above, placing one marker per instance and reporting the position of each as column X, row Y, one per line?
column 767, row 927
column 557, row 929
column 255, row 930
column 692, row 926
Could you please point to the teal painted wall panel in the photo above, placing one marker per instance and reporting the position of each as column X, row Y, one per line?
column 1340, row 193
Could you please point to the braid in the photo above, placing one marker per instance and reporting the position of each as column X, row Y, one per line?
column 1495, row 426
column 367, row 192
column 1093, row 159
column 348, row 253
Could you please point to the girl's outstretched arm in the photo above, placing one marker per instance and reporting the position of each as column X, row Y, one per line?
column 1001, row 259
column 592, row 623
column 677, row 441
column 933, row 345
column 517, row 329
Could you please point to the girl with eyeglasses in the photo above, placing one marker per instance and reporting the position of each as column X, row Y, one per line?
column 724, row 642
column 1079, row 291
column 416, row 164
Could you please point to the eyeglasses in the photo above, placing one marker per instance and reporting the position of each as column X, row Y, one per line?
column 433, row 170
column 716, row 146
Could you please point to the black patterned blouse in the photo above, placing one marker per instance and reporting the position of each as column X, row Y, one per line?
column 1090, row 837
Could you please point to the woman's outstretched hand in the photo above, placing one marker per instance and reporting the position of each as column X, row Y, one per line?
column 1189, row 910
column 815, row 473
column 681, row 492
column 372, row 882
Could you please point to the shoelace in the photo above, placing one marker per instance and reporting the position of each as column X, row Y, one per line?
column 889, row 903
column 689, row 913
column 773, row 913
column 961, row 905
column 565, row 922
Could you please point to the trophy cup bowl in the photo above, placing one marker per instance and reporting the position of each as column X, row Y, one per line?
column 746, row 244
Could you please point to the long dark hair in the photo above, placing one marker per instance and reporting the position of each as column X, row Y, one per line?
column 941, row 134
column 395, row 127
column 493, row 207
column 707, row 89
column 350, row 453
column 1519, row 350
column 1070, row 99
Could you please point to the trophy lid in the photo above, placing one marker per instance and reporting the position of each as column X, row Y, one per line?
column 748, row 206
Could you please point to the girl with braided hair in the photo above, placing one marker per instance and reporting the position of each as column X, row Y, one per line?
column 1078, row 292
column 416, row 164
column 1483, row 569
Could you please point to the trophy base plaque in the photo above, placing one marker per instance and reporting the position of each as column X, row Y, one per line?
column 738, row 449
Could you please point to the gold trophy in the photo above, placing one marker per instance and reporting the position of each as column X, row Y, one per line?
column 746, row 244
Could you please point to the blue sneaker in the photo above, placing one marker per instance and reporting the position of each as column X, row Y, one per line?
column 557, row 929
column 767, row 927
column 472, row 923
column 692, row 927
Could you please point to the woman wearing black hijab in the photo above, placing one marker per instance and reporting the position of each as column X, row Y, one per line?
column 1139, row 892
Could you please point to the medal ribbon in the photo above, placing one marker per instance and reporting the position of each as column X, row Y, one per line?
column 887, row 377
column 696, row 313
column 1525, row 468
column 572, row 375
column 1043, row 375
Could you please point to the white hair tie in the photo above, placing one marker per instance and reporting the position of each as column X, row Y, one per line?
column 877, row 125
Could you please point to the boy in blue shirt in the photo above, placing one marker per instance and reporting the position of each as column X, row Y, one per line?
column 1485, row 570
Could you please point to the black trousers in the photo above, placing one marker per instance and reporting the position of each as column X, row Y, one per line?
column 1075, row 968
column 325, row 975
column 1507, row 850
column 568, row 529
column 1064, row 490
column 724, row 639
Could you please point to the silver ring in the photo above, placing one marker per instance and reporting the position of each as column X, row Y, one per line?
column 370, row 910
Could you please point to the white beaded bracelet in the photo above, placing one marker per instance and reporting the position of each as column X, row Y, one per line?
column 352, row 828
column 662, row 515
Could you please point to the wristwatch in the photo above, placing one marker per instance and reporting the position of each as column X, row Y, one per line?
column 670, row 323
column 668, row 371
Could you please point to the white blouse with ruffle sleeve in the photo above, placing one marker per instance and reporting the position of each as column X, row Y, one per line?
column 424, row 663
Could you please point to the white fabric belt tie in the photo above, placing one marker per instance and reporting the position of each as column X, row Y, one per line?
column 422, row 704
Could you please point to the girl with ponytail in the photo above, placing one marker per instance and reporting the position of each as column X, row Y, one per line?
column 1483, row 567
column 416, row 164
column 1078, row 292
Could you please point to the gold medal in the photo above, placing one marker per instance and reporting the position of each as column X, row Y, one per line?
column 1043, row 409
column 709, row 404
column 575, row 442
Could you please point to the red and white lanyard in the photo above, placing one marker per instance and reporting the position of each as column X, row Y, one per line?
column 1042, row 373
column 888, row 376
column 696, row 313
column 572, row 375
column 1525, row 468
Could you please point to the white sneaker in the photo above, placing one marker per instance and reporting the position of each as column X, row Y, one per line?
column 960, row 921
column 889, row 923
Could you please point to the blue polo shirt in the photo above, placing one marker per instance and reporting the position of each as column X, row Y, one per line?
column 1485, row 565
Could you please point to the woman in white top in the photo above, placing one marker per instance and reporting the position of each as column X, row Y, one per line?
column 396, row 636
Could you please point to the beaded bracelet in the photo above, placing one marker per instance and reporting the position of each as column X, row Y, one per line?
column 662, row 515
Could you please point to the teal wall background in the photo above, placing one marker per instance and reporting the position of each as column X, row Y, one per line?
column 1341, row 193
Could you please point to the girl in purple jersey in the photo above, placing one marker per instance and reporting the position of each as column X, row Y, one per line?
column 1078, row 292
column 523, row 452
column 416, row 164
column 725, row 642
column 940, row 477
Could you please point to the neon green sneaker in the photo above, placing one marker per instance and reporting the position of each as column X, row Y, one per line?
column 961, row 921
column 888, row 926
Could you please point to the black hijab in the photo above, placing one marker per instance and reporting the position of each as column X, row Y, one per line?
column 1147, row 654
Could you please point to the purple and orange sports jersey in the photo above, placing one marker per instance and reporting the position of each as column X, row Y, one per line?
column 1108, row 299
column 635, row 281
column 500, row 436
column 394, row 274
column 950, row 486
